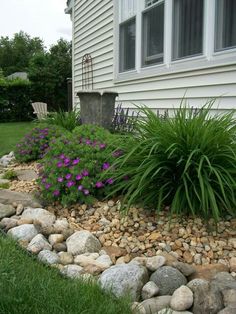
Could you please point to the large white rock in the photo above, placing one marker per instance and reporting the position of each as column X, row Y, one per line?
column 155, row 262
column 24, row 232
column 43, row 216
column 149, row 290
column 72, row 271
column 105, row 260
column 154, row 305
column 61, row 225
column 182, row 299
column 48, row 257
column 38, row 243
column 82, row 242
column 55, row 238
column 125, row 279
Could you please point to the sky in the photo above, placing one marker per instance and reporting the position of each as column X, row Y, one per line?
column 39, row 18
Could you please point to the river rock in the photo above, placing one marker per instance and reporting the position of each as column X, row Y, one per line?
column 170, row 311
column 149, row 290
column 8, row 223
column 8, row 197
column 42, row 216
column 155, row 262
column 182, row 299
column 184, row 268
column 232, row 263
column 227, row 310
column 105, row 260
column 26, row 175
column 229, row 298
column 154, row 305
column 66, row 258
column 6, row 210
column 48, row 257
column 38, row 243
column 125, row 278
column 23, row 232
column 81, row 242
column 72, row 271
column 168, row 279
column 55, row 238
column 61, row 225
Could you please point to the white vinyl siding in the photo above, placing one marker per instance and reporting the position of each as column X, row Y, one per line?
column 96, row 30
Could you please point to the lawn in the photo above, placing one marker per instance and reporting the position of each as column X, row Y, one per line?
column 11, row 133
column 27, row 286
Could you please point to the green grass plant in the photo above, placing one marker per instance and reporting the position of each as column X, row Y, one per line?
column 4, row 186
column 10, row 175
column 11, row 133
column 67, row 120
column 187, row 162
column 27, row 286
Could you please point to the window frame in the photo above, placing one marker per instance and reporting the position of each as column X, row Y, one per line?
column 208, row 59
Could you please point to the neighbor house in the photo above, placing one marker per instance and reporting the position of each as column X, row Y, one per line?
column 154, row 52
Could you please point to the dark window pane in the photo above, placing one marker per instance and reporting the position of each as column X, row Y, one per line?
column 187, row 28
column 153, row 35
column 225, row 24
column 127, row 45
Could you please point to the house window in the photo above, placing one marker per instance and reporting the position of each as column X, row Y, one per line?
column 187, row 28
column 225, row 36
column 127, row 30
column 153, row 32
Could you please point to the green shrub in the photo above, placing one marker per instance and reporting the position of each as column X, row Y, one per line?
column 10, row 175
column 67, row 120
column 35, row 144
column 4, row 186
column 72, row 167
column 187, row 162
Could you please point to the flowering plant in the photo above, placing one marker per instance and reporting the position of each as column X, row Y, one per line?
column 72, row 168
column 35, row 144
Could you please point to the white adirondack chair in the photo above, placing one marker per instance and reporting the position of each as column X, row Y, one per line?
column 40, row 109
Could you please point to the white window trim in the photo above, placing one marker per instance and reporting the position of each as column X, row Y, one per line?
column 208, row 59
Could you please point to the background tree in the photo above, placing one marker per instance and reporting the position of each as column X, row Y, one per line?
column 16, row 53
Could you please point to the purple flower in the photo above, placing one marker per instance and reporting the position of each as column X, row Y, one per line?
column 102, row 146
column 68, row 176
column 78, row 177
column 80, row 187
column 47, row 186
column 85, row 173
column 86, row 192
column 62, row 156
column 88, row 142
column 56, row 193
column 66, row 161
column 99, row 184
column 70, row 184
column 60, row 179
column 44, row 180
column 117, row 153
column 59, row 164
column 75, row 161
column 110, row 181
column 106, row 166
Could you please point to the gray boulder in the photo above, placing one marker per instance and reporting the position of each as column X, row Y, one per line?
column 82, row 242
column 72, row 271
column 229, row 297
column 24, row 232
column 155, row 262
column 48, row 257
column 26, row 175
column 42, row 216
column 6, row 210
column 168, row 279
column 125, row 278
column 38, row 243
column 8, row 197
column 154, row 305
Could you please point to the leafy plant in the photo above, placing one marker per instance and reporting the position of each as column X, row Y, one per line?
column 68, row 120
column 187, row 162
column 73, row 166
column 124, row 121
column 10, row 175
column 35, row 144
column 4, row 186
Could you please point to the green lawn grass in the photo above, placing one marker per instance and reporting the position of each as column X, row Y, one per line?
column 11, row 133
column 27, row 286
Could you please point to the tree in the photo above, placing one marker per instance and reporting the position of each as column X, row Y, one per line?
column 16, row 53
column 48, row 73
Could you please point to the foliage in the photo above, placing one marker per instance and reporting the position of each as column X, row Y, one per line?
column 187, row 162
column 73, row 166
column 16, row 53
column 36, row 143
column 28, row 286
column 15, row 103
column 48, row 73
column 68, row 120
column 11, row 134
column 4, row 185
column 124, row 121
column 10, row 175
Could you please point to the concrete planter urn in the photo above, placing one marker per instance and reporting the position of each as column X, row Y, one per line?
column 97, row 107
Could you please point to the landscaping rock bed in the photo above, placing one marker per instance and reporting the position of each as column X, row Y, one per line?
column 177, row 266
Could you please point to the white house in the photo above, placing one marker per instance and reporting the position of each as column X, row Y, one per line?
column 154, row 52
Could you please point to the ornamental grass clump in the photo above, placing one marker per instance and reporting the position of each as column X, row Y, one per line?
column 35, row 144
column 73, row 166
column 67, row 120
column 187, row 162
